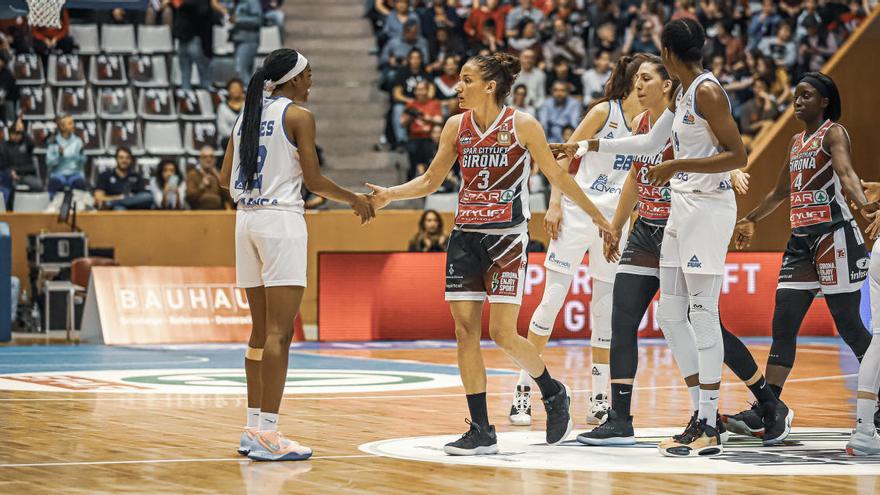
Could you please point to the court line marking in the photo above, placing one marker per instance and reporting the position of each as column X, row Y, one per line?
column 173, row 396
column 162, row 461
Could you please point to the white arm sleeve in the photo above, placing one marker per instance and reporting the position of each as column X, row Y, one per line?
column 641, row 144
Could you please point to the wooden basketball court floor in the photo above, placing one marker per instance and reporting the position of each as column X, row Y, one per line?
column 95, row 419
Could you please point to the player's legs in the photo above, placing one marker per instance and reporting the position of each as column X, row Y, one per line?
column 788, row 314
column 600, row 344
column 845, row 311
column 256, row 297
column 864, row 440
column 672, row 316
column 467, row 316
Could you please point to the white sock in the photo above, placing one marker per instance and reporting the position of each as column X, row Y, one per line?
column 268, row 421
column 600, row 379
column 253, row 417
column 694, row 393
column 524, row 379
column 708, row 409
column 865, row 412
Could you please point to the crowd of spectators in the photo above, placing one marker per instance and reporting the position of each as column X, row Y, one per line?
column 758, row 49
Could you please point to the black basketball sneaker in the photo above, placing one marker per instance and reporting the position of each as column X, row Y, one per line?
column 777, row 423
column 616, row 430
column 748, row 422
column 559, row 422
column 474, row 442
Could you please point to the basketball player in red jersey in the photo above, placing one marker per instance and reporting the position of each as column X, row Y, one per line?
column 494, row 145
column 826, row 251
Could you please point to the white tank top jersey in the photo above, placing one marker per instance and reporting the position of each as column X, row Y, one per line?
column 601, row 175
column 278, row 179
column 693, row 138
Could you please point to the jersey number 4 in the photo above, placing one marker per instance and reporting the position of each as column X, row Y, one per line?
column 798, row 181
column 257, row 182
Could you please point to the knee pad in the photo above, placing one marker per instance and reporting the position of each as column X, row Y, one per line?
column 600, row 314
column 671, row 312
column 253, row 354
column 551, row 302
column 705, row 321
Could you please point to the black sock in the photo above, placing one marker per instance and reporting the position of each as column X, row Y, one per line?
column 621, row 399
column 549, row 387
column 762, row 391
column 777, row 390
column 478, row 409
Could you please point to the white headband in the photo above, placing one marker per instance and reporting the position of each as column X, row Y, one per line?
column 301, row 63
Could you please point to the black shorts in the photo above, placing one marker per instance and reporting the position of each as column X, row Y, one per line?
column 480, row 265
column 836, row 262
column 642, row 253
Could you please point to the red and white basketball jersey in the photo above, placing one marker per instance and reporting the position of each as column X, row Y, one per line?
column 653, row 201
column 495, row 169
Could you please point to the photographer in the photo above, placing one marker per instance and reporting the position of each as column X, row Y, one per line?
column 419, row 117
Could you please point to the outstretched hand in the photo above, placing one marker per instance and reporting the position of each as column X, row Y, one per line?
column 567, row 149
column 743, row 233
column 379, row 196
column 363, row 208
column 660, row 174
column 740, row 181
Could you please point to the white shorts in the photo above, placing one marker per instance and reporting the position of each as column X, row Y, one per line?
column 578, row 236
column 874, row 285
column 698, row 232
column 271, row 248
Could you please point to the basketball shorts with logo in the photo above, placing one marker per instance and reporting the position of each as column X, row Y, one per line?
column 481, row 264
column 271, row 248
column 698, row 232
column 835, row 262
column 642, row 253
column 579, row 235
column 874, row 286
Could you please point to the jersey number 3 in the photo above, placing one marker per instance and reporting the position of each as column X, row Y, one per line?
column 257, row 183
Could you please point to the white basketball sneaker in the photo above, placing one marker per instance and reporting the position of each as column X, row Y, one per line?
column 521, row 409
column 597, row 410
column 864, row 441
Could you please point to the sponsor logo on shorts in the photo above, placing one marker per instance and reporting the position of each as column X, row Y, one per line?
column 558, row 262
column 841, row 253
column 694, row 262
column 504, row 283
column 827, row 274
column 858, row 275
column 863, row 263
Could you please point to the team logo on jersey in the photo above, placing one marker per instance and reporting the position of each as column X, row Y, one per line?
column 863, row 263
column 694, row 262
column 610, row 135
column 688, row 118
column 466, row 138
column 814, row 145
column 820, row 197
column 504, row 138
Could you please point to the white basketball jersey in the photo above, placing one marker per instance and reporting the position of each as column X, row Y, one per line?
column 278, row 179
column 693, row 138
column 601, row 175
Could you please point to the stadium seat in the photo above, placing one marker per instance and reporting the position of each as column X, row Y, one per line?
column 222, row 70
column 88, row 131
column 86, row 36
column 222, row 45
column 157, row 104
column 36, row 103
column 115, row 103
column 162, row 138
column 442, row 202
column 148, row 165
column 123, row 133
column 40, row 132
column 107, row 70
column 30, row 202
column 195, row 104
column 195, row 78
column 66, row 70
column 75, row 101
column 148, row 71
column 155, row 39
column 270, row 40
column 199, row 134
column 118, row 38
column 28, row 69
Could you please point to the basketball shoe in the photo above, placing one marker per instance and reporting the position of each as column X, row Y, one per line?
column 272, row 446
column 777, row 424
column 247, row 440
column 748, row 422
column 699, row 439
column 521, row 409
column 615, row 430
column 474, row 442
column 864, row 441
column 597, row 409
column 559, row 423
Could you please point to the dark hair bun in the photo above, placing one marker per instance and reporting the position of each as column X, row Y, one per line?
column 685, row 39
column 509, row 63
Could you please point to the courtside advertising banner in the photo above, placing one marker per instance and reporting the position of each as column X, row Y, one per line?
column 391, row 296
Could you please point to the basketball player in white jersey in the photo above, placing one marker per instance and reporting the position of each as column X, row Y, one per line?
column 270, row 154
column 601, row 177
column 707, row 146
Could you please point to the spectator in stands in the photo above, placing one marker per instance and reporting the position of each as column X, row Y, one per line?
column 159, row 12
column 594, row 79
column 520, row 100
column 168, row 187
column 17, row 155
column 641, row 37
column 780, row 48
column 568, row 12
column 419, row 117
column 562, row 72
column 46, row 39
column 526, row 37
column 397, row 19
column 758, row 113
column 65, row 158
column 476, row 24
column 227, row 112
column 123, row 187
column 776, row 77
column 559, row 112
column 247, row 19
column 810, row 11
column 445, row 44
column 203, row 190
column 8, row 92
column 563, row 44
column 404, row 89
column 194, row 29
column 816, row 47
column 430, row 237
column 533, row 78
column 524, row 10
column 273, row 15
column 606, row 39
column 763, row 24
column 395, row 52
column 731, row 47
column 445, row 84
